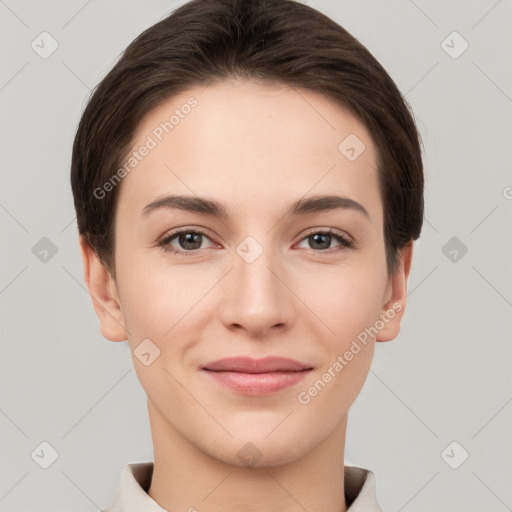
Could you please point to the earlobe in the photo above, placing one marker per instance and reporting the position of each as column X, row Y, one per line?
column 103, row 291
column 394, row 308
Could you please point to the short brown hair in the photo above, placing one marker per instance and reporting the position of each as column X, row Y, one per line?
column 283, row 41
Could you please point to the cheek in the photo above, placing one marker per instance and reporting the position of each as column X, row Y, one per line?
column 347, row 302
column 162, row 302
column 346, row 299
column 157, row 306
column 347, row 311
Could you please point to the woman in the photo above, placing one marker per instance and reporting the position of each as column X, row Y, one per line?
column 248, row 184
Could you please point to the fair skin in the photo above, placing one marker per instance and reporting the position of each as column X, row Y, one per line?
column 255, row 149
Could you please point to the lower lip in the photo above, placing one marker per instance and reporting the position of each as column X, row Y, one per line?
column 258, row 384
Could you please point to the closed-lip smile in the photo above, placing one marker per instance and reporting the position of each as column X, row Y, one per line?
column 257, row 377
column 265, row 365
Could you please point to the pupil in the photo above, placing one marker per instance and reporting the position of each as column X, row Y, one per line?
column 188, row 238
column 315, row 237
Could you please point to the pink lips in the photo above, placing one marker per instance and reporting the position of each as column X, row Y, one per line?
column 257, row 377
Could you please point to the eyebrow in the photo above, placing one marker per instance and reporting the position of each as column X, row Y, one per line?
column 315, row 204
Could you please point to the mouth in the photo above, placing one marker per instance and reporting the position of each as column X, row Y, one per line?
column 265, row 365
column 257, row 377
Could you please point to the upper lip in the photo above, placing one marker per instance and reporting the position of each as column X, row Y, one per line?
column 264, row 365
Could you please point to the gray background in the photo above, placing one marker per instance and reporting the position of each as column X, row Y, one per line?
column 446, row 378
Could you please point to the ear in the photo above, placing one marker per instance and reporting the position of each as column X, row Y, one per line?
column 104, row 294
column 396, row 291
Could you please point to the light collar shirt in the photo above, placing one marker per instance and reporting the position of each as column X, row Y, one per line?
column 131, row 495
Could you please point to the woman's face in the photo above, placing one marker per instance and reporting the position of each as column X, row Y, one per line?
column 260, row 281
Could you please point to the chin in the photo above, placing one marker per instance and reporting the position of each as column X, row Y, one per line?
column 258, row 450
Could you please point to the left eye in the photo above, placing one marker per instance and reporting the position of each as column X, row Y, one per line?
column 324, row 238
column 190, row 241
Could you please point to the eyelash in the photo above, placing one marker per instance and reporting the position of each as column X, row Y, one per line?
column 345, row 243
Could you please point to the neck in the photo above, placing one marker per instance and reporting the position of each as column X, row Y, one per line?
column 188, row 479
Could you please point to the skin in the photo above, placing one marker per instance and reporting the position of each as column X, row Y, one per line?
column 256, row 149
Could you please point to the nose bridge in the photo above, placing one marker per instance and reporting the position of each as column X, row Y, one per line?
column 253, row 262
column 257, row 298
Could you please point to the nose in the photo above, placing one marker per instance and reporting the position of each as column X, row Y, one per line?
column 257, row 298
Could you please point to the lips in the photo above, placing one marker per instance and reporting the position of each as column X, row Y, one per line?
column 248, row 365
column 257, row 377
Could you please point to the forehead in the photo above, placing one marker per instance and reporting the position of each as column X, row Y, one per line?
column 249, row 145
